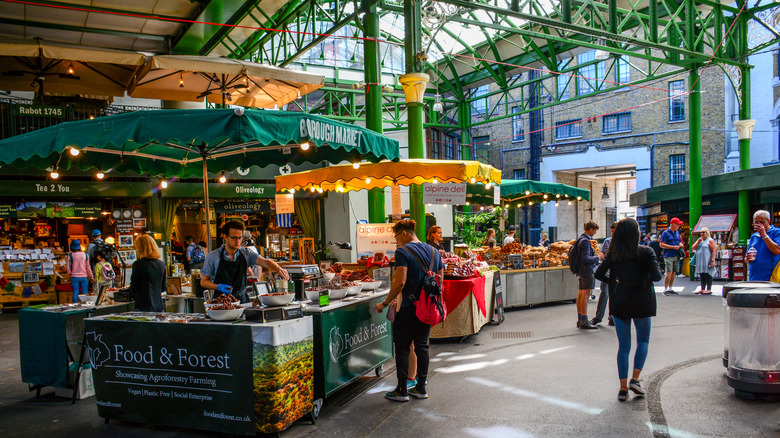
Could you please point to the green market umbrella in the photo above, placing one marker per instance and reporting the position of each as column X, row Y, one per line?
column 524, row 191
column 186, row 143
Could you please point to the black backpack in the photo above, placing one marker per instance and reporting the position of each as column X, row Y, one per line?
column 430, row 282
column 574, row 257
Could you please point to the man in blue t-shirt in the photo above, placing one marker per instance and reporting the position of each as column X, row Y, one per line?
column 766, row 242
column 407, row 329
column 671, row 242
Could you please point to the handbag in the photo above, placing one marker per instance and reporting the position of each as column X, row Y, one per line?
column 775, row 278
column 681, row 253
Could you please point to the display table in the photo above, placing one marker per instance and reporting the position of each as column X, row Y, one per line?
column 469, row 306
column 233, row 378
column 526, row 287
column 49, row 341
column 350, row 339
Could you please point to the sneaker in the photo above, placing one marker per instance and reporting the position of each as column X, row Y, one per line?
column 611, row 322
column 634, row 386
column 397, row 396
column 672, row 292
column 411, row 383
column 579, row 321
column 414, row 392
column 586, row 325
column 622, row 395
column 595, row 321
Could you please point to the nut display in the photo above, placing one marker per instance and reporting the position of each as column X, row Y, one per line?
column 223, row 299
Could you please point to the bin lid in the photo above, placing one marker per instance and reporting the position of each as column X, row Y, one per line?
column 755, row 298
column 734, row 285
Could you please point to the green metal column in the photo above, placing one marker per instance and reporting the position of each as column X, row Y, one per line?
column 464, row 116
column 413, row 46
column 376, row 197
column 744, row 218
column 694, row 150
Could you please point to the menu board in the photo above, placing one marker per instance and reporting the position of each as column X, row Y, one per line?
column 716, row 223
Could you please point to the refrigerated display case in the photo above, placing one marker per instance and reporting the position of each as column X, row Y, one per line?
column 721, row 228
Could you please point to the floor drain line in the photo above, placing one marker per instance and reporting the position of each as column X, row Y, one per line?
column 513, row 335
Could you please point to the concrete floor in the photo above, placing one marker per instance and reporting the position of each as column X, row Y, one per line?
column 559, row 382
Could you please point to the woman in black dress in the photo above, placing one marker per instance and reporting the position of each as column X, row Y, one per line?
column 149, row 278
column 435, row 238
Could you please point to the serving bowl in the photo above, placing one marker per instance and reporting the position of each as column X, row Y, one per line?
column 337, row 294
column 225, row 315
column 328, row 276
column 277, row 300
column 87, row 299
column 313, row 295
column 370, row 285
column 354, row 290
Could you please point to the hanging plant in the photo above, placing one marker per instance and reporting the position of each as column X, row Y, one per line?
column 472, row 227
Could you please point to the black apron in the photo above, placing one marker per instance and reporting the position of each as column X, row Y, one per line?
column 232, row 273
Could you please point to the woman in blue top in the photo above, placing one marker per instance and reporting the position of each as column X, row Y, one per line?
column 766, row 242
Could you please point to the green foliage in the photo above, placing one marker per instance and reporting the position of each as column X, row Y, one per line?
column 472, row 227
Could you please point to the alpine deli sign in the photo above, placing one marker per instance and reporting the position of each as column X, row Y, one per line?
column 444, row 193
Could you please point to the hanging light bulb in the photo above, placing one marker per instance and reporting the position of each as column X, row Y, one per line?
column 100, row 174
column 473, row 180
column 435, row 180
column 305, row 146
column 54, row 174
column 222, row 178
column 320, row 190
column 164, row 184
column 544, row 202
column 356, row 166
column 445, row 205
column 579, row 198
column 557, row 195
column 468, row 203
column 545, row 196
column 556, row 203
column 530, row 202
column 292, row 190
column 181, row 81
column 313, row 189
column 71, row 71
column 487, row 186
column 74, row 152
column 527, row 192
column 605, row 195
column 368, row 180
column 569, row 202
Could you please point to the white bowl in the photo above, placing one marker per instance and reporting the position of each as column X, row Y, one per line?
column 88, row 298
column 354, row 290
column 313, row 296
column 337, row 294
column 328, row 276
column 225, row 315
column 371, row 285
column 277, row 300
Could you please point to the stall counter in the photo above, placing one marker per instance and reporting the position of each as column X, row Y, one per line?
column 470, row 304
column 233, row 378
column 350, row 340
column 526, row 287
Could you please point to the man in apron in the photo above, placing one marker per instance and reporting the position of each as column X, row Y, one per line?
column 224, row 270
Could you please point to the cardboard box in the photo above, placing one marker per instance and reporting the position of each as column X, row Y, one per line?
column 724, row 253
column 86, row 384
column 724, row 271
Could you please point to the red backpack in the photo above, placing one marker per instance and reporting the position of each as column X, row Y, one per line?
column 431, row 308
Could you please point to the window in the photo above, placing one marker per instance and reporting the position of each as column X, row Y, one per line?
column 676, row 101
column 592, row 76
column 623, row 70
column 563, row 89
column 620, row 122
column 449, row 148
column 436, row 144
column 517, row 125
column 518, row 174
column 479, row 106
column 676, row 168
column 568, row 128
column 482, row 149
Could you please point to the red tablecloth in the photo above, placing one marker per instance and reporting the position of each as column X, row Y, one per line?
column 455, row 291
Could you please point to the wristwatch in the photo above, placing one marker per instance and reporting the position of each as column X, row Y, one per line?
column 384, row 305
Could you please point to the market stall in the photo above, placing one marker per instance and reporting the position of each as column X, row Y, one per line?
column 51, row 339
column 29, row 278
column 721, row 228
column 470, row 305
column 350, row 340
column 188, row 371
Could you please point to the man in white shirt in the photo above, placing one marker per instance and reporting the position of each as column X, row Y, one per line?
column 510, row 236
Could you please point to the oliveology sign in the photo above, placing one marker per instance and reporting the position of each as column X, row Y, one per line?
column 154, row 371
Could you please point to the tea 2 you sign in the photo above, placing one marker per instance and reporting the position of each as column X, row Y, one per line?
column 441, row 193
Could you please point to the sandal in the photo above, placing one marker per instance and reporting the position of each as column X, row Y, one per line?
column 706, row 292
column 699, row 292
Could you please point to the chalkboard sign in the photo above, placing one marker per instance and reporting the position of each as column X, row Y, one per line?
column 499, row 297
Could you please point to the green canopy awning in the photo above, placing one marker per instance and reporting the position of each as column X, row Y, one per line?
column 524, row 191
column 173, row 142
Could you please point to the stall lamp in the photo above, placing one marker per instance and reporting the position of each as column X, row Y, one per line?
column 105, row 213
column 74, row 152
column 181, row 81
column 468, row 203
column 164, row 184
column 530, row 202
column 569, row 202
column 222, row 178
column 292, row 190
column 54, row 174
column 368, row 180
column 313, row 189
column 71, row 71
column 305, row 146
column 527, row 192
column 579, row 198
column 320, row 190
column 487, row 186
column 473, row 180
column 545, row 196
column 544, row 202
column 445, row 205
column 100, row 174
column 557, row 195
column 435, row 181
column 556, row 203
column 91, row 117
column 481, row 208
column 356, row 166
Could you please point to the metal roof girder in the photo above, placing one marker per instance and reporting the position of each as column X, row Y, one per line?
column 260, row 37
column 501, row 73
column 593, row 32
column 224, row 31
column 468, row 47
column 55, row 26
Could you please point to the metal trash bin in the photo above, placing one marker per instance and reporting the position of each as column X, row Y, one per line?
column 754, row 343
column 728, row 287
